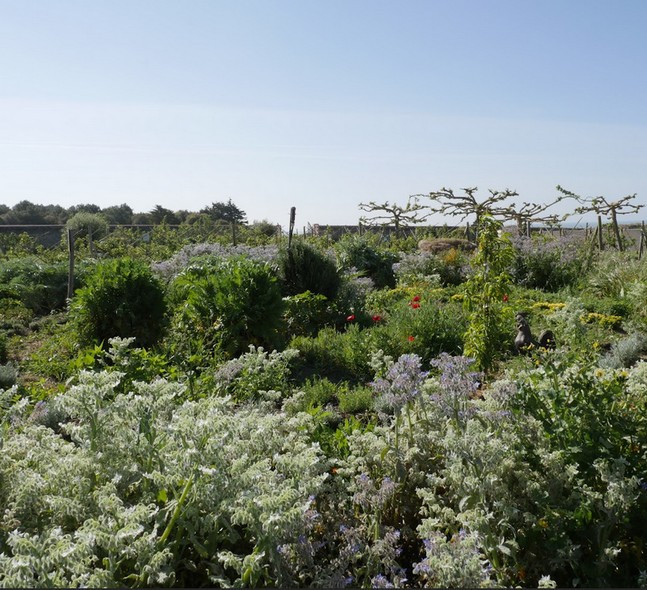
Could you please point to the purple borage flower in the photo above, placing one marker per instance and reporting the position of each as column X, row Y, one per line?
column 402, row 382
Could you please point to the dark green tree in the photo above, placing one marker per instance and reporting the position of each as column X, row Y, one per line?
column 162, row 215
column 28, row 213
column 226, row 212
column 87, row 208
column 118, row 214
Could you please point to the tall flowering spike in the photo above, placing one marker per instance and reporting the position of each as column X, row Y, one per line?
column 402, row 382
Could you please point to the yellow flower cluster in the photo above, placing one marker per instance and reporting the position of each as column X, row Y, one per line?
column 606, row 321
column 548, row 306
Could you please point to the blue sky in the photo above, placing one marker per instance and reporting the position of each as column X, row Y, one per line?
column 321, row 105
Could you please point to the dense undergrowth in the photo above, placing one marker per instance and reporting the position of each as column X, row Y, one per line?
column 248, row 416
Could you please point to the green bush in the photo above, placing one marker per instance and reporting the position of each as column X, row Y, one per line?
column 425, row 327
column 8, row 376
column 40, row 286
column 486, row 295
column 606, row 305
column 3, row 347
column 306, row 313
column 357, row 252
column 228, row 305
column 122, row 298
column 321, row 392
column 318, row 393
column 547, row 263
column 356, row 400
column 336, row 355
column 304, row 268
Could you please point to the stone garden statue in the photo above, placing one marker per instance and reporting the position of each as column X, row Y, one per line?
column 525, row 340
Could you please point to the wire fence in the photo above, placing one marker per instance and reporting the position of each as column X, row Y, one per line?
column 51, row 237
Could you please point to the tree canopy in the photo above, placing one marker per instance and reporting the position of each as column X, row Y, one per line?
column 226, row 212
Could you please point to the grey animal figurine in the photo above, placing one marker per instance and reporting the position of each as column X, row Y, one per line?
column 525, row 340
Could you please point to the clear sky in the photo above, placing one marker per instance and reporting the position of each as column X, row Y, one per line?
column 319, row 104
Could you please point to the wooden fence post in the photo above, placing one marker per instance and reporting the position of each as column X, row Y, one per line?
column 293, row 211
column 600, row 236
column 70, row 272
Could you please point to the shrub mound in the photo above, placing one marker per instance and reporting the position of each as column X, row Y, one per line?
column 121, row 298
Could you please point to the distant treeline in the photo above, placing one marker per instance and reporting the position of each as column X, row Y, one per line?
column 28, row 213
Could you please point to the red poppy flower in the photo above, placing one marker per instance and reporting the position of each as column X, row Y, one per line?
column 415, row 305
column 505, row 298
column 350, row 318
column 411, row 338
column 416, row 298
column 377, row 318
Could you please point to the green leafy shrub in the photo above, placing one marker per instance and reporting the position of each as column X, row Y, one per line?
column 227, row 305
column 84, row 222
column 548, row 263
column 357, row 252
column 608, row 306
column 306, row 313
column 40, row 286
column 355, row 400
column 585, row 409
column 132, row 363
column 3, row 347
column 121, row 298
column 336, row 355
column 304, row 268
column 8, row 375
column 352, row 298
column 318, row 393
column 321, row 392
column 485, row 296
column 423, row 326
